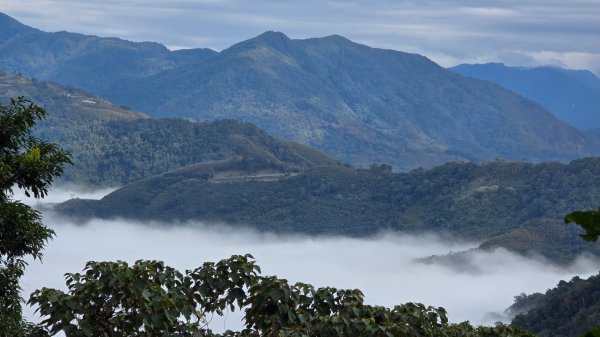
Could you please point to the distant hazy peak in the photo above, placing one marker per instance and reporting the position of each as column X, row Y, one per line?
column 478, row 70
column 193, row 51
column 278, row 39
column 273, row 36
column 269, row 39
column 335, row 38
column 272, row 39
column 5, row 19
column 331, row 40
column 584, row 76
column 573, row 95
column 10, row 27
column 580, row 73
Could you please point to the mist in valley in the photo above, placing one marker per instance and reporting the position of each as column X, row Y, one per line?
column 385, row 267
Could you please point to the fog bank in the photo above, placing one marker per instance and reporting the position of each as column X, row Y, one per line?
column 61, row 193
column 382, row 266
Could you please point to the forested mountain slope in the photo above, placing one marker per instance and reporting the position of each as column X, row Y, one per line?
column 114, row 146
column 573, row 95
column 475, row 201
column 68, row 106
column 119, row 152
column 356, row 103
column 568, row 310
column 84, row 61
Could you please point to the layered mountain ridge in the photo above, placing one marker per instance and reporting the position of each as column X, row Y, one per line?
column 84, row 61
column 113, row 146
column 573, row 95
column 358, row 104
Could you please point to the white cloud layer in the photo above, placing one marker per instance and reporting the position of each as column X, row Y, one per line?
column 449, row 32
column 383, row 266
column 60, row 194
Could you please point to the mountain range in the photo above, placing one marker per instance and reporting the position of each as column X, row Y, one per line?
column 358, row 104
column 84, row 61
column 573, row 95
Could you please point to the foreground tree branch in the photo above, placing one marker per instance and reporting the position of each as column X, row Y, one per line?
column 30, row 164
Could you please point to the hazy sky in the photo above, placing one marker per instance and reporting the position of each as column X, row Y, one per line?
column 526, row 32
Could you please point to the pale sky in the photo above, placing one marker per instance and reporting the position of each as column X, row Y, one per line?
column 530, row 32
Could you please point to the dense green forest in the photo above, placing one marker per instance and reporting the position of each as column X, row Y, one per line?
column 567, row 310
column 523, row 203
column 558, row 242
column 119, row 152
column 112, row 145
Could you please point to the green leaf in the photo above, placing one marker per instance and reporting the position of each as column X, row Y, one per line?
column 595, row 332
column 588, row 220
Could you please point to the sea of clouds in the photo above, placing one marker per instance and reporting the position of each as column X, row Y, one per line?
column 383, row 266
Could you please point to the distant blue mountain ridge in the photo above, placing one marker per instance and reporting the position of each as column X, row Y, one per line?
column 358, row 104
column 572, row 95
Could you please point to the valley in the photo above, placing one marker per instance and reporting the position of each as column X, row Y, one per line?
column 331, row 161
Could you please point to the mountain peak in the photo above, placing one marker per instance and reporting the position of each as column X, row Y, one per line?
column 10, row 27
column 270, row 39
column 271, row 36
column 574, row 96
column 337, row 38
column 332, row 41
column 5, row 18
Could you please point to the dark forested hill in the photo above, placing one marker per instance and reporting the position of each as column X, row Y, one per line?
column 568, row 310
column 356, row 103
column 477, row 201
column 84, row 61
column 112, row 145
column 573, row 95
column 119, row 152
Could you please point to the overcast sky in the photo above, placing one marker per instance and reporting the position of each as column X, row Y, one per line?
column 528, row 32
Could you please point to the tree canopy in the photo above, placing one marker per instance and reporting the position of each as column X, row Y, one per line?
column 149, row 298
column 588, row 220
column 29, row 164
